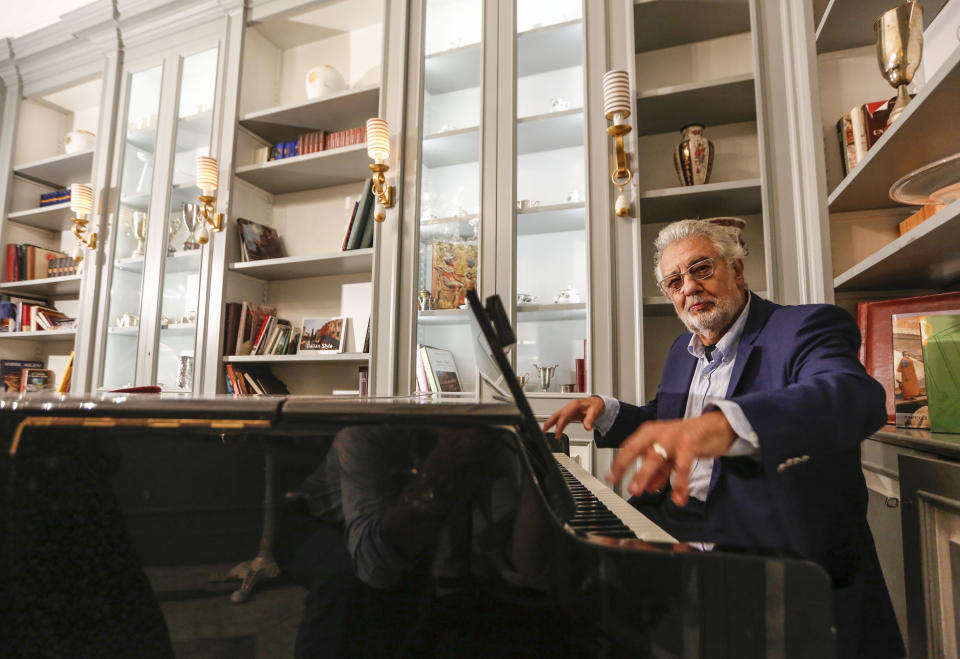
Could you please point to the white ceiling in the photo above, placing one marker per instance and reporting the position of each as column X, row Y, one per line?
column 16, row 20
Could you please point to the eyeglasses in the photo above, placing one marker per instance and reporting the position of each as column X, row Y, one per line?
column 671, row 284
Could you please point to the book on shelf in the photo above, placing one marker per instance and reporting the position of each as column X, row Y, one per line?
column 441, row 370
column 253, row 380
column 67, row 376
column 28, row 262
column 918, row 218
column 875, row 320
column 349, row 227
column 454, row 269
column 364, row 214
column 323, row 334
column 258, row 241
column 248, row 324
column 12, row 369
column 861, row 128
column 55, row 197
column 940, row 335
column 36, row 379
column 363, row 380
column 909, row 384
column 366, row 339
column 310, row 142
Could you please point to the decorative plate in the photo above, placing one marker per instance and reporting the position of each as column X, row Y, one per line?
column 936, row 183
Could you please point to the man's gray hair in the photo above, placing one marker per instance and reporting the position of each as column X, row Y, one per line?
column 725, row 239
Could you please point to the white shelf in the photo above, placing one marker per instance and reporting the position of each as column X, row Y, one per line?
column 355, row 261
column 443, row 317
column 193, row 132
column 535, row 134
column 724, row 100
column 173, row 329
column 849, row 23
column 300, row 358
column 570, row 216
column 710, row 200
column 314, row 170
column 141, row 200
column 924, row 257
column 347, row 109
column 52, row 286
column 925, row 132
column 548, row 312
column 656, row 23
column 41, row 335
column 56, row 217
column 59, row 171
column 176, row 262
column 547, row 48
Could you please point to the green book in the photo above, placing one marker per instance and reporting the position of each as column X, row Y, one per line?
column 941, row 359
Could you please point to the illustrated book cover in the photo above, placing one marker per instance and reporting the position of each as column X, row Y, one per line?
column 323, row 334
column 454, row 271
column 940, row 335
column 258, row 241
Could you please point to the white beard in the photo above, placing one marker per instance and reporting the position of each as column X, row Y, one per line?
column 711, row 323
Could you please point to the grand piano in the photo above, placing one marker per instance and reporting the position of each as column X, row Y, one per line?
column 501, row 544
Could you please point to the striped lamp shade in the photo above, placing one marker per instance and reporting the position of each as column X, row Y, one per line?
column 206, row 174
column 616, row 93
column 378, row 139
column 81, row 198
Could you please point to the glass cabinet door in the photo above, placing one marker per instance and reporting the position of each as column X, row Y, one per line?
column 550, row 263
column 448, row 246
column 181, row 273
column 155, row 288
column 129, row 243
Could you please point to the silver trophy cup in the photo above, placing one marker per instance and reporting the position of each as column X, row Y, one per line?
column 189, row 214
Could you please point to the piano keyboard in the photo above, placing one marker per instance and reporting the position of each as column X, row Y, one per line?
column 600, row 510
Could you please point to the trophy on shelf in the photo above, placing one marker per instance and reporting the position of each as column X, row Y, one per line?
column 900, row 49
column 139, row 224
column 545, row 375
column 189, row 214
column 173, row 227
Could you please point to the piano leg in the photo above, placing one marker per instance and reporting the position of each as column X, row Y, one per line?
column 263, row 565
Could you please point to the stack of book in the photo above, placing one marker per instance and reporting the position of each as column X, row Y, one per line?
column 254, row 329
column 250, row 380
column 359, row 229
column 312, row 142
column 859, row 129
column 348, row 137
column 436, row 371
column 30, row 314
column 28, row 262
column 55, row 197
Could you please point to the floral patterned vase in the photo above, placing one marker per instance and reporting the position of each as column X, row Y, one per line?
column 693, row 157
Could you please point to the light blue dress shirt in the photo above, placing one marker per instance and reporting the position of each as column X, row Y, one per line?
column 708, row 389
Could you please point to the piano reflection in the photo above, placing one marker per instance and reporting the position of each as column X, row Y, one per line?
column 410, row 528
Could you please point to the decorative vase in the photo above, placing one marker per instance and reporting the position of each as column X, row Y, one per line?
column 324, row 80
column 694, row 156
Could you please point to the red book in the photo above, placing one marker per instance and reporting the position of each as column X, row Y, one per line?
column 260, row 333
column 346, row 234
column 876, row 325
column 11, row 262
column 233, row 380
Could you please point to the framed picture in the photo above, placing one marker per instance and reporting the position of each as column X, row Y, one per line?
column 323, row 334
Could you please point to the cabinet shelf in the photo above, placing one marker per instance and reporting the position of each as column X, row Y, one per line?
column 300, row 358
column 181, row 192
column 443, row 317
column 742, row 197
column 176, row 262
column 355, row 261
column 59, row 171
column 41, row 335
column 941, row 442
column 541, row 49
column 314, row 170
column 849, row 23
column 570, row 216
column 56, row 217
column 666, row 109
column 331, row 113
column 193, row 132
column 55, row 286
column 535, row 134
column 546, row 312
column 173, row 329
column 925, row 132
column 915, row 260
column 708, row 19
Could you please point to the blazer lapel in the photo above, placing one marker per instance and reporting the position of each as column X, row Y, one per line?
column 675, row 386
column 757, row 318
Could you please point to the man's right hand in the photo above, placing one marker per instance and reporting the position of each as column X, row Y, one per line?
column 578, row 409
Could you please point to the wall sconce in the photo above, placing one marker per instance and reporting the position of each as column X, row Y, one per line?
column 616, row 106
column 207, row 182
column 81, row 203
column 378, row 148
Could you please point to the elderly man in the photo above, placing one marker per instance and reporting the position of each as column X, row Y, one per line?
column 753, row 439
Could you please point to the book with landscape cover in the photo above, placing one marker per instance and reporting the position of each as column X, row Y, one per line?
column 940, row 334
column 876, row 326
column 258, row 241
column 37, row 379
column 441, row 370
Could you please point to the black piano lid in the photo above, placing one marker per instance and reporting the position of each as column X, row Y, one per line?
column 266, row 408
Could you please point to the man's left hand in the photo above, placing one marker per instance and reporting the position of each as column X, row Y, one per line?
column 706, row 436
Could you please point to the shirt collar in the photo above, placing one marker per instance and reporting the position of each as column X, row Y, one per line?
column 727, row 345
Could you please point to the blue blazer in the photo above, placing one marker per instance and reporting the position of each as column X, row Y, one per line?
column 799, row 383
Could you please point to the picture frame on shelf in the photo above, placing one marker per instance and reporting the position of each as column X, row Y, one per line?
column 258, row 241
column 323, row 334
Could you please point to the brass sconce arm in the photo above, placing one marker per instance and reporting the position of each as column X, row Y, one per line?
column 382, row 191
column 83, row 238
column 208, row 217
